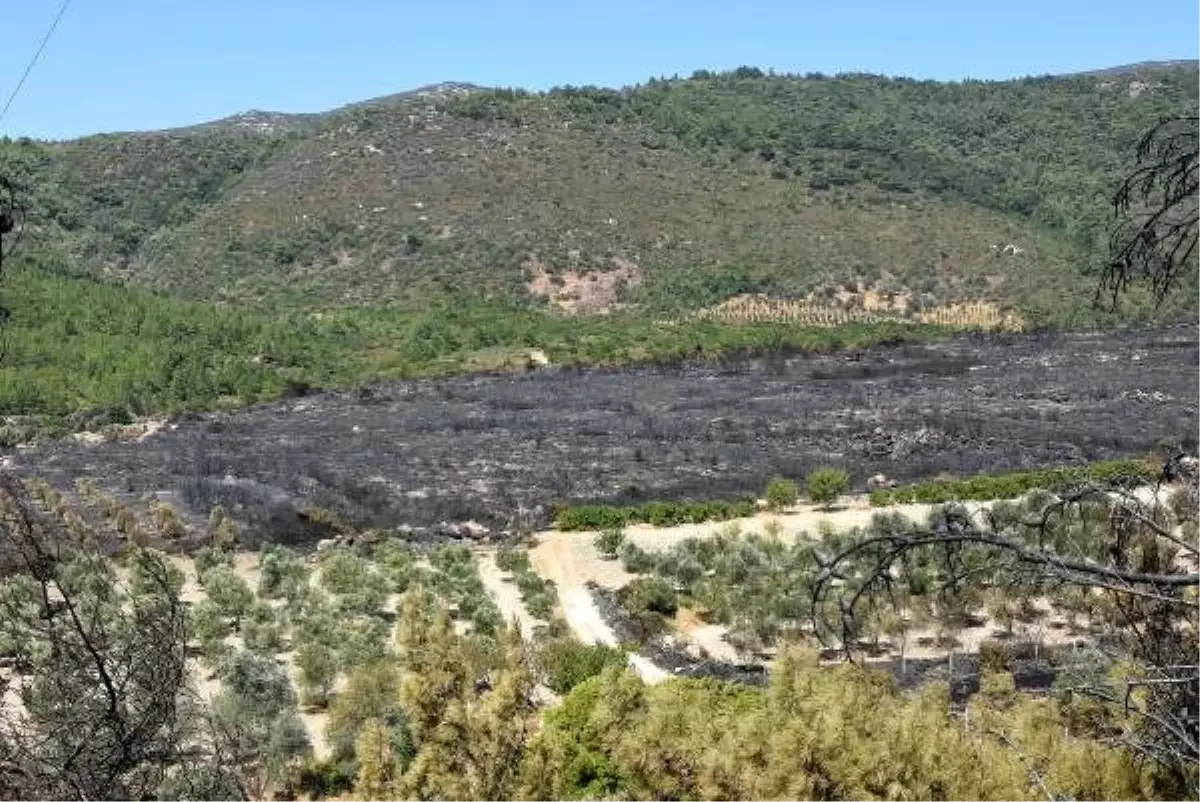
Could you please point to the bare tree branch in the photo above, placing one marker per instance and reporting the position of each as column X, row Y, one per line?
column 100, row 714
column 1108, row 541
column 1154, row 238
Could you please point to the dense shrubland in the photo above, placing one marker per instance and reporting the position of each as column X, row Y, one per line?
column 816, row 733
column 83, row 354
column 896, row 134
column 716, row 185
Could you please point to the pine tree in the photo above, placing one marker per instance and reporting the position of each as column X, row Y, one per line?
column 470, row 708
column 501, row 724
column 376, row 762
column 436, row 670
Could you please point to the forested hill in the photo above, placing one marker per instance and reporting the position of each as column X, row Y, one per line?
column 667, row 197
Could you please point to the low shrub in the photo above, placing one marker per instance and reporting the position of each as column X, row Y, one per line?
column 824, row 485
column 601, row 517
column 540, row 605
column 650, row 602
column 608, row 542
column 397, row 564
column 635, row 559
column 987, row 487
column 651, row 594
column 781, row 493
column 210, row 557
column 537, row 593
column 566, row 662
column 512, row 559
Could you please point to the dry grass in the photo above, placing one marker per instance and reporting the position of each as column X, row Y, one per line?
column 867, row 306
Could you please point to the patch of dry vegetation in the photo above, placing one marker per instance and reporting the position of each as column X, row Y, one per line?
column 839, row 307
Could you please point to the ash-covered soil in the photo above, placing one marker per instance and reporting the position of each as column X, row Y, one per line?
column 494, row 448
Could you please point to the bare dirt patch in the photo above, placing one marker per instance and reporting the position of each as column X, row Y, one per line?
column 582, row 291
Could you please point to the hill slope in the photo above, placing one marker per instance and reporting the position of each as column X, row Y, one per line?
column 455, row 229
column 667, row 198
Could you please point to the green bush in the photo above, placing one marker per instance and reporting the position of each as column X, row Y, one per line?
column 566, row 662
column 824, row 485
column 318, row 669
column 228, row 591
column 397, row 564
column 282, row 572
column 608, row 542
column 536, row 590
column 781, row 493
column 210, row 626
column 601, row 517
column 261, row 631
column 343, row 571
column 512, row 559
column 988, row 487
column 210, row 557
column 635, row 559
column 650, row 602
column 651, row 594
column 540, row 605
column 486, row 619
column 367, row 599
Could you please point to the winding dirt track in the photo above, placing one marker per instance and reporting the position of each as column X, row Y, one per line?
column 571, row 560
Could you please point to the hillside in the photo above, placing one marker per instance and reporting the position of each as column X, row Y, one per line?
column 454, row 228
column 668, row 197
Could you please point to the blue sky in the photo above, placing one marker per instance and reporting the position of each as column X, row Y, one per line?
column 141, row 64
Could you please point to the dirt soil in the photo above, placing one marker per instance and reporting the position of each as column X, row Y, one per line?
column 576, row 566
column 573, row 562
column 501, row 449
column 504, row 592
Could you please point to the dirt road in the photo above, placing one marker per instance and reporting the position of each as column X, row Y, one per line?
column 504, row 592
column 572, row 560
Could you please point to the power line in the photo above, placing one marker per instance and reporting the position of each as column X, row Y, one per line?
column 62, row 9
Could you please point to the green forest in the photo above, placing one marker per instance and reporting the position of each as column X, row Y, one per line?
column 82, row 353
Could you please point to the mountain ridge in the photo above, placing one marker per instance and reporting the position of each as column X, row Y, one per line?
column 267, row 115
column 670, row 197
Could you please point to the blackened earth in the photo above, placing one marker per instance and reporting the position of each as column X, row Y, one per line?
column 503, row 449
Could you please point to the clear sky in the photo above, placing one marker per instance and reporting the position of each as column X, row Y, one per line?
column 142, row 64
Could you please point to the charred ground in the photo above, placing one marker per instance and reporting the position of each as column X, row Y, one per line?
column 499, row 449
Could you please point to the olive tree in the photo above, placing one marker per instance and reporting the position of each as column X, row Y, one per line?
column 102, row 679
column 824, row 485
column 1130, row 550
